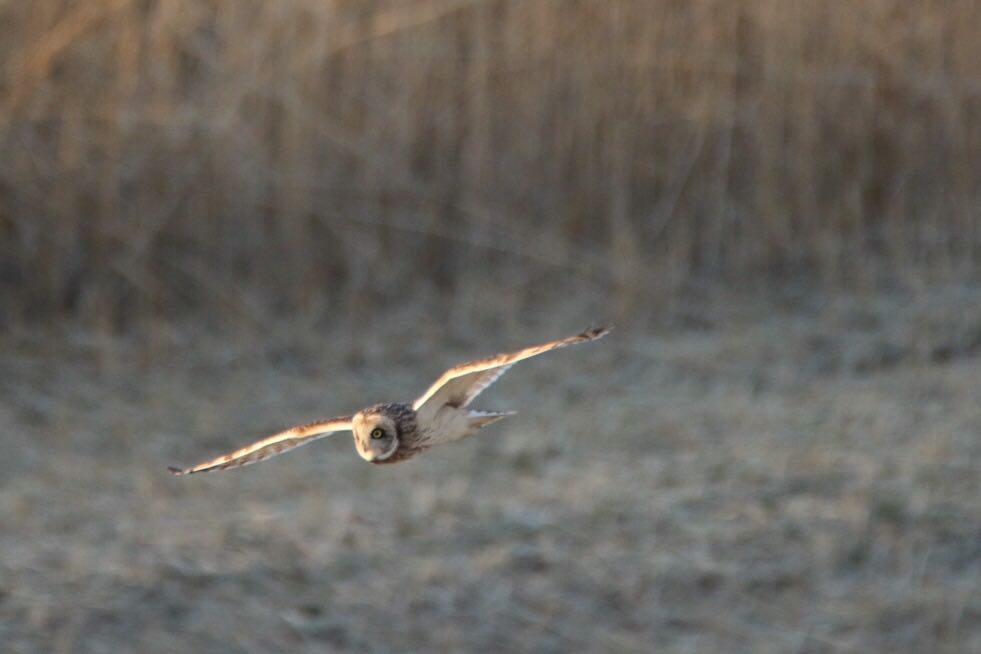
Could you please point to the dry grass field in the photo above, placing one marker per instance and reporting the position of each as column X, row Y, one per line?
column 793, row 477
column 222, row 217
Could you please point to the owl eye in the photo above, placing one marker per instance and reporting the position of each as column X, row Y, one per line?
column 377, row 433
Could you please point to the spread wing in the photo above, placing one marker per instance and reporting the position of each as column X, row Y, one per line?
column 459, row 385
column 270, row 446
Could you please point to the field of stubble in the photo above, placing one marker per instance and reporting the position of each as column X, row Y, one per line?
column 760, row 479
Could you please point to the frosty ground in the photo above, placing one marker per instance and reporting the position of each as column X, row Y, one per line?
column 758, row 478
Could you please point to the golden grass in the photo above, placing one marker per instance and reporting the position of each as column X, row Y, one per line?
column 223, row 157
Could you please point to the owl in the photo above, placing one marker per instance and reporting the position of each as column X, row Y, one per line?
column 397, row 431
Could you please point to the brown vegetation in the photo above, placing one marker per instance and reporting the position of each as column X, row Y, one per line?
column 162, row 159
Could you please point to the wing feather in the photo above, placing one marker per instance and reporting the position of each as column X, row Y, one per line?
column 270, row 446
column 459, row 385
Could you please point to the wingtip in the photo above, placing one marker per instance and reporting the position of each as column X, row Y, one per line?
column 177, row 472
column 592, row 333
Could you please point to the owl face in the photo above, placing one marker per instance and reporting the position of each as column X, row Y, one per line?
column 376, row 436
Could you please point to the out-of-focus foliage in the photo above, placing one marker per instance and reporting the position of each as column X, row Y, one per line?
column 223, row 157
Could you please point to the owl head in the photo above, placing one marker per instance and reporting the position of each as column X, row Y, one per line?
column 376, row 432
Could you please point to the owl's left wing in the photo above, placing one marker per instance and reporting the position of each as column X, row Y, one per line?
column 459, row 385
column 270, row 446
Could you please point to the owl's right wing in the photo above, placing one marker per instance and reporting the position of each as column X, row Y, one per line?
column 270, row 446
column 459, row 385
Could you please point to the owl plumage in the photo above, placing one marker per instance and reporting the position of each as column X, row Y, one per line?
column 394, row 432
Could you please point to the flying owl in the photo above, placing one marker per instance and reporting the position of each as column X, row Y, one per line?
column 389, row 433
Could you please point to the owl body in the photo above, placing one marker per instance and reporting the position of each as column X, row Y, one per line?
column 399, row 435
column 396, row 431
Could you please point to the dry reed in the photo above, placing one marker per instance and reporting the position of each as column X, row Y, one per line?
column 222, row 157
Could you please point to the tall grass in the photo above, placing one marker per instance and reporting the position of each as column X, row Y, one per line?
column 219, row 158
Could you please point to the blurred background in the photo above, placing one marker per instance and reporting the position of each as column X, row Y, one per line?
column 219, row 218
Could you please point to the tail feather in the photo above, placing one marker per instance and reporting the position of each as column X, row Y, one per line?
column 479, row 419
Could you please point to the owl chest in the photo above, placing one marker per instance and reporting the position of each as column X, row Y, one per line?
column 445, row 426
